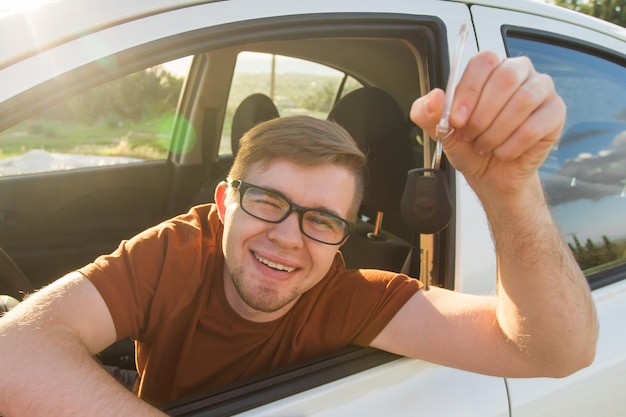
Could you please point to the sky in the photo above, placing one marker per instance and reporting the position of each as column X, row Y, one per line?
column 254, row 63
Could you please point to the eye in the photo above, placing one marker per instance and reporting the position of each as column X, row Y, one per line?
column 266, row 199
column 320, row 220
column 269, row 198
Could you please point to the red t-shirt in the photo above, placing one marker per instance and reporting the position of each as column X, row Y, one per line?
column 164, row 289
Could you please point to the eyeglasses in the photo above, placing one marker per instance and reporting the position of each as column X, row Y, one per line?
column 273, row 207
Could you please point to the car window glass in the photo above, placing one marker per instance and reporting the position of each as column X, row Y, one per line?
column 123, row 121
column 295, row 86
column 585, row 174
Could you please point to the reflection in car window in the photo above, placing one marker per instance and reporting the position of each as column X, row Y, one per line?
column 294, row 85
column 126, row 120
column 585, row 174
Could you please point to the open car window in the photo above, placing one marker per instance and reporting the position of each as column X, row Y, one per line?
column 127, row 120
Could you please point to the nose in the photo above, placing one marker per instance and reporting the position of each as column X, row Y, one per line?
column 287, row 233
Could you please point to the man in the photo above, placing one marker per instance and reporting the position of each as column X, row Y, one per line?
column 262, row 264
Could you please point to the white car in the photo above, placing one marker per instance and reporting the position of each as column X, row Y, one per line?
column 117, row 114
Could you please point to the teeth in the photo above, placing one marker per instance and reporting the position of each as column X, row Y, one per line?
column 274, row 265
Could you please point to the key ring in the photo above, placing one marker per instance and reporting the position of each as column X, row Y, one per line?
column 439, row 148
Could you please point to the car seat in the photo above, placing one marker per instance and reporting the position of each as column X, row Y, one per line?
column 376, row 122
column 253, row 110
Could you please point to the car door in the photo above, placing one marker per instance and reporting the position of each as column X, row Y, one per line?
column 584, row 178
column 87, row 164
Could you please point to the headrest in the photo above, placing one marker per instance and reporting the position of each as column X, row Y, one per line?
column 252, row 110
column 375, row 121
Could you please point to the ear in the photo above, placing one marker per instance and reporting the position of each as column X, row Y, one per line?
column 220, row 199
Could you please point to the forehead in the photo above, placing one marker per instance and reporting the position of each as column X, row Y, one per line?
column 326, row 186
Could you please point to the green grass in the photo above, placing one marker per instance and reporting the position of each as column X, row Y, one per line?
column 148, row 140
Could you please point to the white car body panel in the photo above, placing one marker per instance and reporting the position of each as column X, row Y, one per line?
column 475, row 261
column 594, row 391
column 404, row 387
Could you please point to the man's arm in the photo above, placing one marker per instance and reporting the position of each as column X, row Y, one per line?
column 542, row 320
column 47, row 345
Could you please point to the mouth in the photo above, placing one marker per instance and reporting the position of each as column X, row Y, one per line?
column 274, row 265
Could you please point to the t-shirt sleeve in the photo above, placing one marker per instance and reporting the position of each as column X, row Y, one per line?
column 142, row 270
column 370, row 299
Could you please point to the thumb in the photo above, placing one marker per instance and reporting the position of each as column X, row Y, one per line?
column 426, row 110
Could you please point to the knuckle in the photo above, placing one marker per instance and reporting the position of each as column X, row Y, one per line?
column 478, row 124
column 504, row 154
column 525, row 60
column 529, row 131
column 523, row 63
column 488, row 58
column 509, row 77
column 547, row 80
column 528, row 97
column 487, row 142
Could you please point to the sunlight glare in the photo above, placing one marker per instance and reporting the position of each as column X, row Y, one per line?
column 20, row 5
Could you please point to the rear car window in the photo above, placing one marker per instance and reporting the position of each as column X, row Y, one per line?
column 585, row 174
column 295, row 86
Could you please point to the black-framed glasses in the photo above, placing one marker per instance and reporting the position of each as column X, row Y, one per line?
column 273, row 207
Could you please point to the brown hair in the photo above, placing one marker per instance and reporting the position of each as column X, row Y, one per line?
column 303, row 140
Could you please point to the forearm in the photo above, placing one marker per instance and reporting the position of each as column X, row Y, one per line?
column 61, row 380
column 47, row 368
column 544, row 303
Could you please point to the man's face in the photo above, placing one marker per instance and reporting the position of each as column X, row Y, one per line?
column 269, row 266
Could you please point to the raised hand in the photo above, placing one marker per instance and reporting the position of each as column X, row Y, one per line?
column 506, row 116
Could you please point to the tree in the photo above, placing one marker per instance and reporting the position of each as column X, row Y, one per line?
column 613, row 11
column 137, row 97
column 591, row 254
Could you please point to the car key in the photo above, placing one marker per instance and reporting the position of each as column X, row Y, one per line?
column 426, row 205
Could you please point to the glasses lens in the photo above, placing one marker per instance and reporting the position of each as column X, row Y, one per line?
column 324, row 227
column 271, row 207
column 264, row 204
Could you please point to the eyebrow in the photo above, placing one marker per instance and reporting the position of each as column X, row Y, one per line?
column 316, row 208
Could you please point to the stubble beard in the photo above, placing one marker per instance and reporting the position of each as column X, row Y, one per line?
column 260, row 298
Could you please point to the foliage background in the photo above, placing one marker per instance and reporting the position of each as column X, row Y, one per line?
column 613, row 11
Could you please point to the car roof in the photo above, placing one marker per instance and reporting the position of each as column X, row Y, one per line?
column 51, row 23
column 26, row 32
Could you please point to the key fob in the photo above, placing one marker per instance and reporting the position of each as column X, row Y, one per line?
column 426, row 205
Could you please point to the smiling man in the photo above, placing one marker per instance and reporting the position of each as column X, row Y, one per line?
column 256, row 281
column 268, row 270
column 271, row 263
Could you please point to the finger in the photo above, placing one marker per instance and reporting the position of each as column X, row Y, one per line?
column 470, row 87
column 426, row 110
column 537, row 135
column 503, row 93
column 525, row 100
